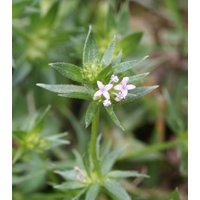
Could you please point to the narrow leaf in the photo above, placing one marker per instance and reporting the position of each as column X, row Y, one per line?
column 49, row 19
column 92, row 192
column 125, row 174
column 70, row 91
column 117, row 59
column 137, row 78
column 79, row 195
column 68, row 174
column 114, row 118
column 110, row 160
column 130, row 43
column 70, row 186
column 90, row 50
column 124, row 66
column 116, row 190
column 68, row 70
column 40, row 120
column 138, row 92
column 107, row 57
column 92, row 108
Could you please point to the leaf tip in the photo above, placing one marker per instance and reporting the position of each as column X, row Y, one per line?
column 39, row 84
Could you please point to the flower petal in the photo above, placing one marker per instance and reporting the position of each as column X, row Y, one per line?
column 106, row 102
column 124, row 93
column 130, row 87
column 97, row 94
column 100, row 85
column 106, row 94
column 109, row 86
column 118, row 87
column 125, row 80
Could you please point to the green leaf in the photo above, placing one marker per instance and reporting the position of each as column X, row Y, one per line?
column 123, row 19
column 68, row 70
column 72, row 185
column 110, row 18
column 56, row 140
column 114, row 118
column 130, row 43
column 90, row 50
column 79, row 159
column 125, row 174
column 174, row 195
column 138, row 92
column 137, row 78
column 127, row 65
column 68, row 174
column 92, row 192
column 92, row 108
column 70, row 91
column 117, row 59
column 49, row 19
column 79, row 195
column 116, row 190
column 38, row 125
column 107, row 57
column 107, row 71
column 110, row 160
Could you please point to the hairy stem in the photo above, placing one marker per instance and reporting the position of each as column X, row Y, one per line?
column 93, row 143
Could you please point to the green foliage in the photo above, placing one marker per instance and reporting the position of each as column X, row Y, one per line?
column 120, row 34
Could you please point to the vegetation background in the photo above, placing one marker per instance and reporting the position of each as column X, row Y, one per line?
column 156, row 126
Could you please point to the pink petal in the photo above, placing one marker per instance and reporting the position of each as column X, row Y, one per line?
column 109, row 86
column 98, row 93
column 118, row 87
column 124, row 93
column 106, row 95
column 125, row 80
column 130, row 87
column 100, row 85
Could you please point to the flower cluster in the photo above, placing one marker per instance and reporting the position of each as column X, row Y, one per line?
column 114, row 90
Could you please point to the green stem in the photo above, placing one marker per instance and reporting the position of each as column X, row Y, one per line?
column 93, row 143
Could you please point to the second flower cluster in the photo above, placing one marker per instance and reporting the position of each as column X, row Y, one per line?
column 115, row 90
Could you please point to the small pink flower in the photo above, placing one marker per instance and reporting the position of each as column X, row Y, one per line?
column 114, row 79
column 106, row 102
column 103, row 90
column 123, row 88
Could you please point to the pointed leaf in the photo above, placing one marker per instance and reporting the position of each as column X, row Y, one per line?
column 127, row 65
column 114, row 118
column 107, row 57
column 138, row 77
column 130, row 43
column 68, row 70
column 79, row 195
column 79, row 159
column 116, row 190
column 125, row 174
column 70, row 91
column 110, row 160
column 117, row 59
column 91, row 111
column 38, row 125
column 138, row 92
column 72, row 185
column 49, row 19
column 106, row 72
column 90, row 50
column 68, row 174
column 56, row 140
column 92, row 192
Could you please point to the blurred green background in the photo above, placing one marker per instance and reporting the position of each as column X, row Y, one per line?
column 47, row 31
